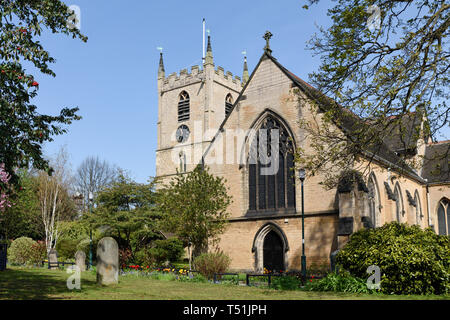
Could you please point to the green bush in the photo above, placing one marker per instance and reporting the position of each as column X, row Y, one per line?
column 38, row 253
column 411, row 260
column 162, row 251
column 21, row 251
column 343, row 282
column 66, row 249
column 210, row 263
column 167, row 250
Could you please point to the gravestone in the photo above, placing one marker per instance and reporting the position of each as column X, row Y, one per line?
column 53, row 259
column 80, row 260
column 107, row 261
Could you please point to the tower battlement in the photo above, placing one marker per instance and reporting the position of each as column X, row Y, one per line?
column 226, row 78
column 183, row 78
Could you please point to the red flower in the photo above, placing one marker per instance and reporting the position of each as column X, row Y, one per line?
column 35, row 84
column 310, row 280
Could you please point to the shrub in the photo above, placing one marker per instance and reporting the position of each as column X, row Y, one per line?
column 162, row 251
column 166, row 250
column 125, row 256
column 343, row 282
column 38, row 252
column 411, row 260
column 210, row 263
column 66, row 249
column 21, row 251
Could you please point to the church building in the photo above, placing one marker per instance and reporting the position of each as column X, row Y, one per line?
column 207, row 116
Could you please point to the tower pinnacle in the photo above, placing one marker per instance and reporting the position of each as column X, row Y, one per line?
column 245, row 75
column 209, row 55
column 161, row 70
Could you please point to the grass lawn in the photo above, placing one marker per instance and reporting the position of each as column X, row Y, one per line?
column 39, row 283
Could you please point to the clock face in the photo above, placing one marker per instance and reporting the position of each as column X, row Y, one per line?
column 182, row 133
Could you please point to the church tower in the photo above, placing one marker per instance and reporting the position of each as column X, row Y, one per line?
column 191, row 107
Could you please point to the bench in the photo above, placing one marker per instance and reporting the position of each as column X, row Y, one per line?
column 269, row 277
column 57, row 264
column 223, row 274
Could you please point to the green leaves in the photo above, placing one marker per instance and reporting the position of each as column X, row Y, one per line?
column 126, row 211
column 194, row 207
column 411, row 260
column 22, row 128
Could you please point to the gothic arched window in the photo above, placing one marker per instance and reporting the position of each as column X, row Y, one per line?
column 374, row 199
column 271, row 176
column 228, row 104
column 183, row 106
column 443, row 216
column 398, row 203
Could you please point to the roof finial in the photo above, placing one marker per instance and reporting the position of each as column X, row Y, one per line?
column 267, row 37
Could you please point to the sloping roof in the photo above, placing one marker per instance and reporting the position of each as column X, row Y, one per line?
column 385, row 151
column 406, row 140
column 349, row 122
column 436, row 166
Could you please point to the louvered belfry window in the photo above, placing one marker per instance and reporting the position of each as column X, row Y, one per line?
column 183, row 107
column 276, row 191
column 228, row 104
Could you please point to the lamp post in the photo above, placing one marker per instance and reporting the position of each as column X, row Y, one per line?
column 90, row 200
column 302, row 176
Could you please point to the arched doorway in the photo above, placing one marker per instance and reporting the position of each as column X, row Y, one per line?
column 273, row 253
column 270, row 247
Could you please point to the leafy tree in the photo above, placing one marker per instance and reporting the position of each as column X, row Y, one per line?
column 23, row 219
column 126, row 211
column 22, row 129
column 194, row 207
column 377, row 74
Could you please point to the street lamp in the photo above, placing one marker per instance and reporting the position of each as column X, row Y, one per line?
column 302, row 176
column 90, row 200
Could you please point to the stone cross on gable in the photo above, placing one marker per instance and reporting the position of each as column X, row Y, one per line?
column 267, row 37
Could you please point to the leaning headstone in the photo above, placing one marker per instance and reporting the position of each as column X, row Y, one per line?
column 53, row 259
column 107, row 261
column 80, row 260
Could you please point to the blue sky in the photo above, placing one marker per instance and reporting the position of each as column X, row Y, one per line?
column 112, row 77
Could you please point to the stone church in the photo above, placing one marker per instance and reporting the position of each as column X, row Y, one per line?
column 207, row 116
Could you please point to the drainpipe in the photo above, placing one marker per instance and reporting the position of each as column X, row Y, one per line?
column 428, row 205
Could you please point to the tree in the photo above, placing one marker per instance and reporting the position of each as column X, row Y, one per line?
column 194, row 207
column 378, row 74
column 54, row 199
column 22, row 129
column 93, row 175
column 126, row 211
column 23, row 219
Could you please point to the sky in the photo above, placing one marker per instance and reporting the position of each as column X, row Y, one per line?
column 113, row 77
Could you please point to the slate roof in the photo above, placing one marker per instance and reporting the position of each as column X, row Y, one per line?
column 437, row 162
column 387, row 150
